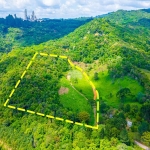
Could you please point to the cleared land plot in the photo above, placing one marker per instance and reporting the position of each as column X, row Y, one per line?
column 81, row 84
column 40, row 89
column 74, row 100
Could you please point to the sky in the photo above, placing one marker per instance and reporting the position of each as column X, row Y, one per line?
column 68, row 8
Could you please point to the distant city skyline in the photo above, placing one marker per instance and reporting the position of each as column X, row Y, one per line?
column 68, row 8
column 28, row 17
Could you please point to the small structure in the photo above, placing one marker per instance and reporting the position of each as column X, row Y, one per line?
column 68, row 77
column 129, row 123
column 28, row 18
column 97, row 34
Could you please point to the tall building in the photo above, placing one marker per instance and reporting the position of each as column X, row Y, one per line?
column 29, row 18
column 15, row 16
column 25, row 15
column 32, row 16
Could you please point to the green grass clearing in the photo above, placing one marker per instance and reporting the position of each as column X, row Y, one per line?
column 74, row 100
column 81, row 84
column 108, row 88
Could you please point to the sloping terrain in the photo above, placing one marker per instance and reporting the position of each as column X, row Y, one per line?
column 116, row 56
column 16, row 33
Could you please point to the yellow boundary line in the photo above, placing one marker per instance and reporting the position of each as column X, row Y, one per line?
column 12, row 92
column 17, row 83
column 78, row 123
column 49, row 116
column 13, row 107
column 6, row 102
column 69, row 121
column 61, row 119
column 97, row 94
column 21, row 109
column 34, row 56
column 23, row 74
column 43, row 54
column 31, row 112
column 52, row 55
column 40, row 114
column 64, row 57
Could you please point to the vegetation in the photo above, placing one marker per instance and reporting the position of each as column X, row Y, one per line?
column 115, row 53
column 15, row 32
column 73, row 100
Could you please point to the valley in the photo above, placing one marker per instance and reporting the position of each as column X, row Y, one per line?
column 113, row 51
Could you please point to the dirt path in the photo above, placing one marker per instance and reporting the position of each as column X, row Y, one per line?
column 4, row 145
column 94, row 107
column 141, row 145
column 78, row 91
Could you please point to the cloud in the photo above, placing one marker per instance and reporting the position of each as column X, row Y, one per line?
column 68, row 8
column 51, row 3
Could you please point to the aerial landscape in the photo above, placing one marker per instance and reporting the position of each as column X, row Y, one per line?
column 74, row 75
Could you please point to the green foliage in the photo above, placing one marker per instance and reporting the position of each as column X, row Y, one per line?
column 111, row 86
column 127, row 108
column 14, row 32
column 124, row 17
column 74, row 101
column 123, row 93
column 116, row 47
column 144, row 126
column 146, row 138
column 84, row 116
column 103, row 107
column 96, row 76
column 124, row 137
column 145, row 110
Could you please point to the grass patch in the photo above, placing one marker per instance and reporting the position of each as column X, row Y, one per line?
column 81, row 84
column 108, row 88
column 74, row 100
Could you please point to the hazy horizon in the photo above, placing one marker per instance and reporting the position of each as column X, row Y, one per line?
column 68, row 9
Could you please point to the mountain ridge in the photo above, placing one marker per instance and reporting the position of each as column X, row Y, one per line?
column 115, row 53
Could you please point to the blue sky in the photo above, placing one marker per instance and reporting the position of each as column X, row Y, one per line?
column 68, row 8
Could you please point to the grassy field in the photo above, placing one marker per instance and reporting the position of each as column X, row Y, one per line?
column 74, row 100
column 108, row 88
column 81, row 83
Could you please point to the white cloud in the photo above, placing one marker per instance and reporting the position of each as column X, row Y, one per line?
column 2, row 2
column 20, row 3
column 68, row 8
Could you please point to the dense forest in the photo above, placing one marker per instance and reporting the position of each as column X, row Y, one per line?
column 115, row 53
column 16, row 32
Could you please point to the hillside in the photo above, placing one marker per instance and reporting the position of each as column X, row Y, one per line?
column 15, row 32
column 115, row 55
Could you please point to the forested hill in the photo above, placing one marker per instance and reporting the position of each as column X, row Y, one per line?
column 15, row 32
column 124, row 16
column 115, row 52
column 124, row 46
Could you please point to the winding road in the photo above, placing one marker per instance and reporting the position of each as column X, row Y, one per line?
column 141, row 145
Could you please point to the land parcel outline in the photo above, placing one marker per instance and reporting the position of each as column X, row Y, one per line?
column 96, row 94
